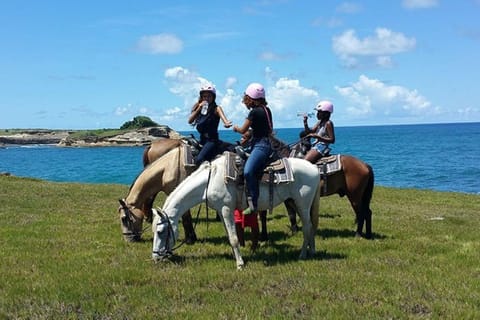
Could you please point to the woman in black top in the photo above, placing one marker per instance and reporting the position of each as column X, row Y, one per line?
column 259, row 119
column 206, row 115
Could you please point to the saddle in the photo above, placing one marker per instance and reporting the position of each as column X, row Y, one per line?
column 329, row 165
column 191, row 148
column 277, row 171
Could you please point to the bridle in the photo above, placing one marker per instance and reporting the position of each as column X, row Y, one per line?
column 168, row 252
column 164, row 219
column 128, row 220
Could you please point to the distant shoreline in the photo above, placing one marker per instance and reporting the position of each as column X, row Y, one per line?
column 86, row 138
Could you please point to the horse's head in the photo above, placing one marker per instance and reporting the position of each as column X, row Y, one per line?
column 163, row 236
column 130, row 222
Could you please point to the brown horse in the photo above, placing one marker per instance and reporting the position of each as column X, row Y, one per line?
column 162, row 175
column 355, row 180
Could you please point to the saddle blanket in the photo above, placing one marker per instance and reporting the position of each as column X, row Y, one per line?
column 279, row 170
column 188, row 158
column 329, row 165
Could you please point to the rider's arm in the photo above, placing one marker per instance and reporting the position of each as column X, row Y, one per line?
column 195, row 111
column 305, row 124
column 244, row 128
column 226, row 123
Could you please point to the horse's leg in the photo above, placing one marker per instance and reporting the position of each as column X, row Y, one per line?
column 255, row 237
column 263, row 222
column 292, row 215
column 307, row 234
column 240, row 233
column 229, row 223
column 359, row 194
column 187, row 222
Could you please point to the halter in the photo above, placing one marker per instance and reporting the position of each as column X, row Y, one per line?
column 168, row 250
column 170, row 235
column 128, row 221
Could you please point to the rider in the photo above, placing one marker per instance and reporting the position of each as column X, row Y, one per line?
column 206, row 115
column 323, row 131
column 259, row 119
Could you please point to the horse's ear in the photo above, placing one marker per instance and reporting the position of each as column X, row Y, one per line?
column 122, row 203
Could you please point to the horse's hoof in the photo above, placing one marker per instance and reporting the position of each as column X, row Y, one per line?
column 132, row 239
column 295, row 228
column 263, row 238
column 191, row 239
column 358, row 235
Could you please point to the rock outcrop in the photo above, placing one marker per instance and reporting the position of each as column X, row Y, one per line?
column 35, row 137
column 136, row 137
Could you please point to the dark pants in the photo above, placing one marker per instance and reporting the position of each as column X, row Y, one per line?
column 261, row 150
column 208, row 152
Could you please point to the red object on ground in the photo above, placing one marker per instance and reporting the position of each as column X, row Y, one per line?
column 249, row 220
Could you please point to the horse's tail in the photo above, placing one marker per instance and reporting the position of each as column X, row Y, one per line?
column 145, row 159
column 367, row 195
column 365, row 211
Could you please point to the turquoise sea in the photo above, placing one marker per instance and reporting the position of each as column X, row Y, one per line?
column 442, row 157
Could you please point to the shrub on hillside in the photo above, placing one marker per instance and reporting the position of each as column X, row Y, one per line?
column 139, row 122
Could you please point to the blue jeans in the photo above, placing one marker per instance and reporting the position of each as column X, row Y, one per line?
column 261, row 150
column 208, row 152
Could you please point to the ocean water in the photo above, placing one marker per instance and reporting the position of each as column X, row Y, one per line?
column 442, row 157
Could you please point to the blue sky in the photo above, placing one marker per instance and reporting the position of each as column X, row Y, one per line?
column 97, row 64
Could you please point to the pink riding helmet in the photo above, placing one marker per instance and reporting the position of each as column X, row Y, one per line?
column 208, row 88
column 255, row 91
column 324, row 106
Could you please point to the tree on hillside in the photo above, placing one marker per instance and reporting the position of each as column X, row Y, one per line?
column 139, row 122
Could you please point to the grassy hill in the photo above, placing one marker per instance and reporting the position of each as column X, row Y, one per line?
column 63, row 256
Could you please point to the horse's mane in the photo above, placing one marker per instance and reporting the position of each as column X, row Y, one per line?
column 282, row 148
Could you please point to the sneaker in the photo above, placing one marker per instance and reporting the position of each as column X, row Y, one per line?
column 248, row 211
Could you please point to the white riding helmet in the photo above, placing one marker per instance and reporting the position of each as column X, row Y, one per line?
column 324, row 105
column 208, row 88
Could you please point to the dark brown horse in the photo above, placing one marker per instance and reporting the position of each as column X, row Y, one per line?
column 355, row 180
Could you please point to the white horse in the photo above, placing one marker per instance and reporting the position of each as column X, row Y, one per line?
column 208, row 183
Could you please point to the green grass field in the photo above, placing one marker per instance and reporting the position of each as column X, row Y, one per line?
column 63, row 257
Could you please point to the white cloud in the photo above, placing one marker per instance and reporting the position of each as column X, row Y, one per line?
column 382, row 44
column 287, row 97
column 369, row 98
column 163, row 43
column 348, row 7
column 269, row 56
column 230, row 82
column 419, row 4
column 120, row 111
column 183, row 82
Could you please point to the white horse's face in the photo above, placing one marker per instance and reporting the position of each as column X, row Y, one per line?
column 131, row 224
column 163, row 236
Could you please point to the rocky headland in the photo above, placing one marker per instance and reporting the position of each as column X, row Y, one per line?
column 83, row 138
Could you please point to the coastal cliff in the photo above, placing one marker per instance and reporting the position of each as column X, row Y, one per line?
column 87, row 138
